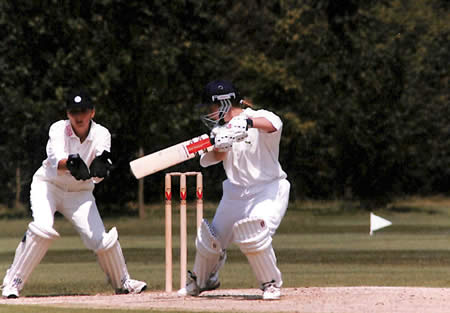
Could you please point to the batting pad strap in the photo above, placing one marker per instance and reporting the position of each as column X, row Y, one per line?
column 252, row 235
column 111, row 259
column 108, row 240
column 209, row 254
column 43, row 231
column 206, row 242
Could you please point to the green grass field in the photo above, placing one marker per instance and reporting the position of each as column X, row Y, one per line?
column 318, row 244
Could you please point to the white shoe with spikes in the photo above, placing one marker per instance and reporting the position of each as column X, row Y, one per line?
column 271, row 291
column 132, row 286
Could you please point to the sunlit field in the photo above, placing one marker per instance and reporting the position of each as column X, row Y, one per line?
column 318, row 244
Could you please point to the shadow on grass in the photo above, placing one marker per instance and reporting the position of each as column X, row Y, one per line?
column 284, row 256
column 233, row 297
column 56, row 295
column 412, row 209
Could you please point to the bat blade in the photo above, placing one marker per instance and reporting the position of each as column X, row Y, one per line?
column 170, row 156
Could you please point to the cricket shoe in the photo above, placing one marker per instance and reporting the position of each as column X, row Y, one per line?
column 271, row 291
column 10, row 292
column 212, row 283
column 132, row 286
column 192, row 288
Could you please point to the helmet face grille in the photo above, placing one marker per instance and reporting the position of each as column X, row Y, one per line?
column 227, row 96
column 216, row 118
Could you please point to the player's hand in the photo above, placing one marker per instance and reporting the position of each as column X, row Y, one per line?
column 239, row 126
column 223, row 139
column 101, row 165
column 77, row 167
column 215, row 131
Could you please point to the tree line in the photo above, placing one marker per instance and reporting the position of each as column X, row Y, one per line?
column 361, row 86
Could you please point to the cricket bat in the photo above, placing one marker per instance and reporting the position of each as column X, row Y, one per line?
column 171, row 156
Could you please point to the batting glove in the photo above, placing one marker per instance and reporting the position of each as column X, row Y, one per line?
column 239, row 125
column 77, row 167
column 223, row 139
column 101, row 165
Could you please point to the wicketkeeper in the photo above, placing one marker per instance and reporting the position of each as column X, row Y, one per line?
column 78, row 157
column 255, row 193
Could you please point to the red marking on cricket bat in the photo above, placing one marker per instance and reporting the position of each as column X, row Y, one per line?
column 183, row 195
column 199, row 194
column 199, row 145
column 168, row 195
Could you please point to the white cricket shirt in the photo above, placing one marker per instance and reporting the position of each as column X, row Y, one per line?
column 62, row 142
column 254, row 160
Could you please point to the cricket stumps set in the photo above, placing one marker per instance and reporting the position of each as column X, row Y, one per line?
column 183, row 222
column 163, row 159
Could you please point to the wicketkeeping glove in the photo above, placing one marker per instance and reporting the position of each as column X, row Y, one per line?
column 239, row 126
column 101, row 165
column 223, row 139
column 77, row 167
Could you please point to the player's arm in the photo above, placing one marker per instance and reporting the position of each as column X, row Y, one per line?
column 218, row 155
column 55, row 149
column 224, row 139
column 239, row 125
column 103, row 143
column 263, row 124
column 212, row 158
column 62, row 165
column 267, row 121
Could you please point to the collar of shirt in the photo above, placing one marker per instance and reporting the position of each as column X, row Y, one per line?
column 70, row 132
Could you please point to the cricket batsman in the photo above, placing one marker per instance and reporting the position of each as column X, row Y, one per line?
column 255, row 193
column 78, row 157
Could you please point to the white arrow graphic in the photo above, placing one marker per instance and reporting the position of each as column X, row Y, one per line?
column 377, row 222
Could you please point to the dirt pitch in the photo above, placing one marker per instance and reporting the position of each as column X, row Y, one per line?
column 313, row 299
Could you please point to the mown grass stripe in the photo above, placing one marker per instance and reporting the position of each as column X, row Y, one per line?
column 284, row 256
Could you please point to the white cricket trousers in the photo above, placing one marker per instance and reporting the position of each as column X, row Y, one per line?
column 78, row 207
column 268, row 202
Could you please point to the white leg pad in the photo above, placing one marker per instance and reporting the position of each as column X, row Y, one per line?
column 209, row 256
column 17, row 255
column 29, row 254
column 253, row 238
column 111, row 259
